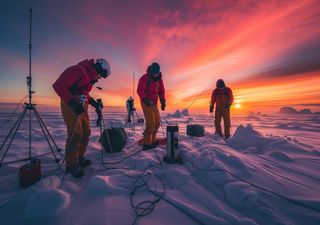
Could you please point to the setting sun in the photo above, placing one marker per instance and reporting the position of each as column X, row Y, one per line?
column 237, row 105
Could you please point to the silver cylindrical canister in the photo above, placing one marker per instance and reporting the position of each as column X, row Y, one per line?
column 172, row 142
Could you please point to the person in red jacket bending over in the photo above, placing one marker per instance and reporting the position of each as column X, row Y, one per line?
column 222, row 97
column 150, row 87
column 73, row 87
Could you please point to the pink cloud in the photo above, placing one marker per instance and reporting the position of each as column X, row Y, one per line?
column 195, row 42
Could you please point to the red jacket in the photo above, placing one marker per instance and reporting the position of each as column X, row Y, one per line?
column 222, row 97
column 151, row 89
column 76, row 80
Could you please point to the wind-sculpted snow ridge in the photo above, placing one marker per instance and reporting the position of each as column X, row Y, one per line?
column 248, row 140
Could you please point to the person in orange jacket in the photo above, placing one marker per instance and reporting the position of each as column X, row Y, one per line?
column 222, row 97
column 73, row 87
column 150, row 87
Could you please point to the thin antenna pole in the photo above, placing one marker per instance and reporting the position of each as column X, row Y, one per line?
column 29, row 81
column 134, row 126
column 30, row 48
column 133, row 86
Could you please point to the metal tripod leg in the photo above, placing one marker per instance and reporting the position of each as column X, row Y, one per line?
column 29, row 107
column 46, row 134
column 45, row 127
column 139, row 119
column 11, row 130
column 12, row 133
column 14, row 129
column 101, row 132
column 101, row 145
column 134, row 126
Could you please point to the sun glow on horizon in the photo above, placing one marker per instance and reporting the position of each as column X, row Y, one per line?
column 237, row 104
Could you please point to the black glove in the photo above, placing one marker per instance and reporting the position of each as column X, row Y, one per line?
column 163, row 104
column 99, row 101
column 146, row 101
column 211, row 108
column 95, row 104
column 76, row 106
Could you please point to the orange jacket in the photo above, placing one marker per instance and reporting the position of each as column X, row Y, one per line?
column 222, row 97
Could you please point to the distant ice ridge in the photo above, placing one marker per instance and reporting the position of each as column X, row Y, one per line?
column 179, row 113
column 290, row 110
column 249, row 140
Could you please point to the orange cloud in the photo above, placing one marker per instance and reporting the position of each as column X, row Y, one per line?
column 260, row 48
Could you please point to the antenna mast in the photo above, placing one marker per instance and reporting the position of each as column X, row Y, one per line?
column 29, row 78
column 133, row 86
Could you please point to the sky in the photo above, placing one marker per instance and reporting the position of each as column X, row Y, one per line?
column 268, row 52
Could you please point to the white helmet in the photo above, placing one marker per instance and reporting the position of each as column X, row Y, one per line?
column 103, row 67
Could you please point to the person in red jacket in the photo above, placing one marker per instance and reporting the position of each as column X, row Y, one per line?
column 150, row 87
column 222, row 97
column 73, row 87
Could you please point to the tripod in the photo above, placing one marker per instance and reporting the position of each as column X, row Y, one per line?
column 30, row 108
column 132, row 114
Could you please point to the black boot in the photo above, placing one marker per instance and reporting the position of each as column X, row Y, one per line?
column 75, row 171
column 84, row 162
column 148, row 147
column 155, row 143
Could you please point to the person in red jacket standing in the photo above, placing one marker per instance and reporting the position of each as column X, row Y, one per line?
column 150, row 87
column 222, row 97
column 73, row 87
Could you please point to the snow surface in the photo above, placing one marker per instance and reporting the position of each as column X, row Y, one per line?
column 266, row 173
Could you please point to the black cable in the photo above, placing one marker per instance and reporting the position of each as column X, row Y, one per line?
column 196, row 98
column 8, row 120
column 128, row 168
column 145, row 207
column 181, row 210
column 123, row 159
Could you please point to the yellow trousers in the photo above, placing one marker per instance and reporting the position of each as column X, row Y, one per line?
column 78, row 129
column 218, row 115
column 152, row 120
